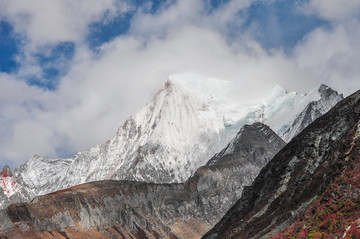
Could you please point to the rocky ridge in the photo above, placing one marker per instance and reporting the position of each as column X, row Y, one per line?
column 315, row 109
column 310, row 189
column 128, row 209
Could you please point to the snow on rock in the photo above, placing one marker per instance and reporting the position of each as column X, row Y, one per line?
column 40, row 175
column 189, row 120
column 10, row 190
column 173, row 135
column 7, row 183
column 320, row 100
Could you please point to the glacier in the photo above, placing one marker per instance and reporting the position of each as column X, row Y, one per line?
column 188, row 121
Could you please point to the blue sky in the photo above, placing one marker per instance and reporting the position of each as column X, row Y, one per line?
column 72, row 71
column 9, row 47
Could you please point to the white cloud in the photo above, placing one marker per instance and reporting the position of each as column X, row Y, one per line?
column 332, row 56
column 45, row 22
column 188, row 12
column 334, row 9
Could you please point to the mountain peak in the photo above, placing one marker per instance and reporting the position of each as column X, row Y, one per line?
column 200, row 85
column 327, row 92
column 323, row 87
column 278, row 91
column 249, row 135
column 259, row 126
column 320, row 100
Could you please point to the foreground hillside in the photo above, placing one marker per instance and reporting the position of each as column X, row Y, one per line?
column 128, row 209
column 310, row 189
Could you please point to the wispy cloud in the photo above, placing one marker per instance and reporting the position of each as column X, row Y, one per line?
column 49, row 22
column 333, row 9
column 332, row 56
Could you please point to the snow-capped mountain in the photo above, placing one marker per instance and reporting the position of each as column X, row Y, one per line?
column 128, row 209
column 189, row 120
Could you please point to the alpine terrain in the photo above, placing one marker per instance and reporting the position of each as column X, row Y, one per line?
column 189, row 120
column 310, row 189
column 128, row 209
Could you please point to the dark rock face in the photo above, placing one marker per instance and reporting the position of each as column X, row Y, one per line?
column 255, row 143
column 125, row 209
column 3, row 198
column 311, row 179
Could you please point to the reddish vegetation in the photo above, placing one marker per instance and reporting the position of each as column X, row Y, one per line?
column 5, row 187
column 5, row 174
column 335, row 213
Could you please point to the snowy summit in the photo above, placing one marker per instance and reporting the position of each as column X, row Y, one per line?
column 189, row 120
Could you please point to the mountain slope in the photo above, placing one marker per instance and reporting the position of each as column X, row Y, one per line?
column 115, row 209
column 311, row 187
column 189, row 120
column 41, row 174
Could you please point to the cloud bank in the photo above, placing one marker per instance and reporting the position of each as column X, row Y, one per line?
column 100, row 88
